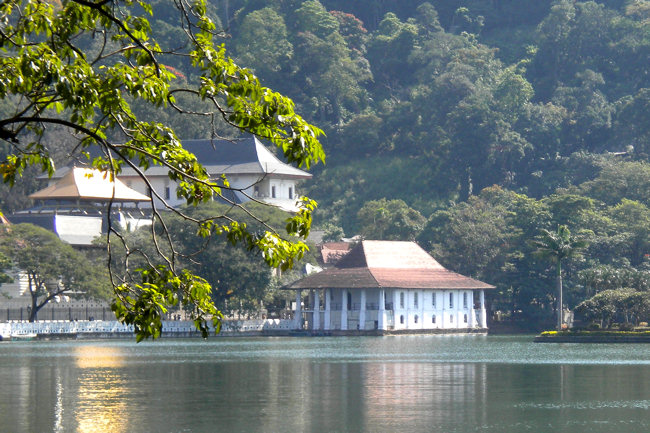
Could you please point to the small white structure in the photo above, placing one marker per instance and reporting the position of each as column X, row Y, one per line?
column 388, row 286
column 74, row 206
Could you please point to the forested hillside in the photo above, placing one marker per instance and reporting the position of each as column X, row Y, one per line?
column 470, row 126
column 473, row 125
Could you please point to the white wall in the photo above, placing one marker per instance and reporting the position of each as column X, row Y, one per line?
column 245, row 183
column 420, row 315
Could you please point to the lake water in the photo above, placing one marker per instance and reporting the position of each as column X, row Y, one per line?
column 357, row 384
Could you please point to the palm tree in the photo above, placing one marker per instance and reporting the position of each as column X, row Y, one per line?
column 557, row 246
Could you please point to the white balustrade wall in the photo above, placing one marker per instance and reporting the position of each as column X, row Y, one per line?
column 114, row 327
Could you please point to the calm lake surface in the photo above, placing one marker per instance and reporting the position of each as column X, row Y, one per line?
column 361, row 384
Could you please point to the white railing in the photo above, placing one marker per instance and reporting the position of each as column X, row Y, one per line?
column 47, row 327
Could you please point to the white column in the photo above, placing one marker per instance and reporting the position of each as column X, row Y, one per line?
column 472, row 314
column 362, row 311
column 483, row 312
column 407, row 307
column 344, row 309
column 316, row 309
column 298, row 313
column 328, row 306
column 381, row 322
column 445, row 300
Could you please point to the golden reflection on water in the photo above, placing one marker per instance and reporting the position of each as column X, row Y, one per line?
column 98, row 357
column 103, row 393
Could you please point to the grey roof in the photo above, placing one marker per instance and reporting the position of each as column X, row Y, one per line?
column 230, row 157
column 241, row 156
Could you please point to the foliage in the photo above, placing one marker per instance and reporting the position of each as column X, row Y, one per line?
column 263, row 43
column 237, row 276
column 609, row 305
column 332, row 233
column 5, row 266
column 82, row 65
column 389, row 220
column 531, row 114
column 556, row 247
column 53, row 268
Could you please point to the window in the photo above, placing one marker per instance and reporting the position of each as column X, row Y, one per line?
column 416, row 318
column 451, row 318
column 465, row 318
column 167, row 193
column 256, row 191
column 451, row 300
column 464, row 299
column 401, row 299
column 415, row 300
column 290, row 192
column 273, row 191
column 401, row 319
column 433, row 300
column 433, row 319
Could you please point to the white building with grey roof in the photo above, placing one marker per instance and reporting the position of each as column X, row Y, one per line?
column 252, row 170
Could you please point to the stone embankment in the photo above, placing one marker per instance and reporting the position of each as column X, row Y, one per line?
column 55, row 329
column 593, row 337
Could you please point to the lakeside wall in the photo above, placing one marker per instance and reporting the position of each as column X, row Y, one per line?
column 115, row 329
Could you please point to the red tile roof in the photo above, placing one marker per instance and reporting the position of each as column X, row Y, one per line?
column 332, row 252
column 388, row 264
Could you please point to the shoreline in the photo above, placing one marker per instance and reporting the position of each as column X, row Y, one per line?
column 86, row 330
column 594, row 337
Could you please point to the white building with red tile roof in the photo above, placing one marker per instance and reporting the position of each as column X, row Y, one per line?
column 390, row 286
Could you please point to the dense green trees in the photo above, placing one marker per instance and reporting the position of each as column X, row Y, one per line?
column 389, row 220
column 434, row 103
column 53, row 267
column 239, row 279
column 96, row 69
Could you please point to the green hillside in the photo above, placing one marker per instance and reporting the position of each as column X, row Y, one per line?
column 491, row 120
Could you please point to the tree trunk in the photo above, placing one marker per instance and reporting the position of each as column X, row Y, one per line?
column 465, row 185
column 33, row 311
column 560, row 315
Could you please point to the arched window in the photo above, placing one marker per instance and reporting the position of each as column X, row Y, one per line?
column 451, row 300
column 465, row 318
column 433, row 319
column 464, row 299
column 433, row 300
column 401, row 299
column 415, row 300
column 401, row 319
column 416, row 318
column 451, row 318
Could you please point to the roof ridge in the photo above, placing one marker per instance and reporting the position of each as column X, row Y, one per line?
column 349, row 260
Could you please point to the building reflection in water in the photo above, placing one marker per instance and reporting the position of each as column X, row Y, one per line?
column 425, row 393
column 382, row 396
